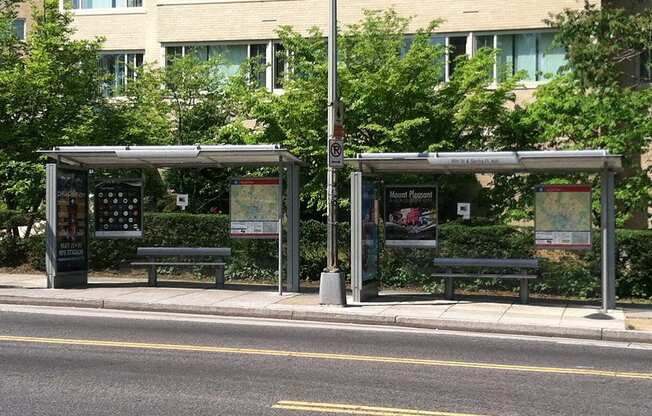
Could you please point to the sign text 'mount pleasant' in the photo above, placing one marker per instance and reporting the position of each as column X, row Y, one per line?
column 412, row 194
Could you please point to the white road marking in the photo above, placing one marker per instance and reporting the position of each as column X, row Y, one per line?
column 284, row 323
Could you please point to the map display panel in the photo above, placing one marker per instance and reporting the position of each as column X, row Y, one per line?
column 562, row 217
column 255, row 207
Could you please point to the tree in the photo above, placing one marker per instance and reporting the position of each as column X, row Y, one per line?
column 48, row 85
column 596, row 103
column 393, row 92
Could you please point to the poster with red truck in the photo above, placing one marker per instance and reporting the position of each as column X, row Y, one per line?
column 411, row 216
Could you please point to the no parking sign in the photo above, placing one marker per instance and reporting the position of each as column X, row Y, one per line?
column 336, row 153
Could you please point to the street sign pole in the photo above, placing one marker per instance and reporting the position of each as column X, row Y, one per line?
column 331, row 285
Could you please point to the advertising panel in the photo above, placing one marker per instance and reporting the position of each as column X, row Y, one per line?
column 255, row 207
column 72, row 221
column 562, row 217
column 370, row 232
column 118, row 209
column 411, row 216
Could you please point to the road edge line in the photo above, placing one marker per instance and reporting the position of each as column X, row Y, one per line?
column 598, row 334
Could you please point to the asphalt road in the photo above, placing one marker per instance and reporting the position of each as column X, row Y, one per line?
column 56, row 361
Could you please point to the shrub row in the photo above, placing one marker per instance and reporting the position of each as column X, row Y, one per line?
column 563, row 272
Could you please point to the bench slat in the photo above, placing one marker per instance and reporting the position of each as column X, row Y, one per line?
column 154, row 263
column 486, row 275
column 184, row 251
column 480, row 262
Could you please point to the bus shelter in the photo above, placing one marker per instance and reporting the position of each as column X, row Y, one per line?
column 367, row 166
column 68, row 189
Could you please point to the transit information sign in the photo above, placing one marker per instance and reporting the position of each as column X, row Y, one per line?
column 562, row 217
column 255, row 207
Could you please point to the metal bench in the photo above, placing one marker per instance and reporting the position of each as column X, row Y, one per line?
column 522, row 265
column 217, row 254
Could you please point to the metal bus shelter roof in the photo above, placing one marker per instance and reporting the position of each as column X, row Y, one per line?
column 195, row 156
column 487, row 162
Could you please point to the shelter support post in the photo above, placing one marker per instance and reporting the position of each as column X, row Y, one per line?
column 608, row 234
column 51, row 218
column 524, row 291
column 356, row 236
column 449, row 288
column 151, row 272
column 293, row 211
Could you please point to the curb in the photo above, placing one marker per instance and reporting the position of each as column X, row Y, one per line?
column 599, row 334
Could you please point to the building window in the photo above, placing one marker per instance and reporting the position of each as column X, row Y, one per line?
column 120, row 68
column 530, row 52
column 280, row 65
column 441, row 41
column 258, row 52
column 105, row 4
column 456, row 48
column 231, row 57
column 19, row 29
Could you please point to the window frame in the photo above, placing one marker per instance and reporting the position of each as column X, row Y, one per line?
column 270, row 59
column 126, row 75
column 23, row 36
column 528, row 84
column 103, row 11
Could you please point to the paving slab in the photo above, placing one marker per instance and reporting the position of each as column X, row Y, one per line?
column 539, row 310
column 200, row 297
column 150, row 295
column 463, row 316
column 255, row 299
column 481, row 307
column 418, row 311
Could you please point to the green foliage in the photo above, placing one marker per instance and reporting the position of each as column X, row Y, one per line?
column 392, row 91
column 634, row 263
column 562, row 272
column 10, row 219
column 47, row 86
column 595, row 104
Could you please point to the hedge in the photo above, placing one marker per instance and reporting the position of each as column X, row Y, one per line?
column 563, row 273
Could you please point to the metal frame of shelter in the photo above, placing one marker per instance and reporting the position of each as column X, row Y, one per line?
column 549, row 161
column 85, row 158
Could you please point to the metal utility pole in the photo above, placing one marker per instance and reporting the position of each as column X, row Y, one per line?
column 331, row 286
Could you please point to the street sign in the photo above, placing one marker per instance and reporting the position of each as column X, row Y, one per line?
column 182, row 201
column 338, row 131
column 336, row 153
column 339, row 113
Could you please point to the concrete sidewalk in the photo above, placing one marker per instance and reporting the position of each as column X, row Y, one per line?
column 399, row 309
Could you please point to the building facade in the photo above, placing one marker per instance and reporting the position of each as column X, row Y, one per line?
column 154, row 31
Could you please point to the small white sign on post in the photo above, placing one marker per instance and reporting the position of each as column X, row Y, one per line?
column 182, row 201
column 464, row 210
column 336, row 153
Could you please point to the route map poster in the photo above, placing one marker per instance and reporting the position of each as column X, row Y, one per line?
column 411, row 216
column 72, row 222
column 118, row 209
column 255, row 207
column 562, row 217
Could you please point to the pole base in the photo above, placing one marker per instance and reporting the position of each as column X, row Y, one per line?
column 332, row 290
